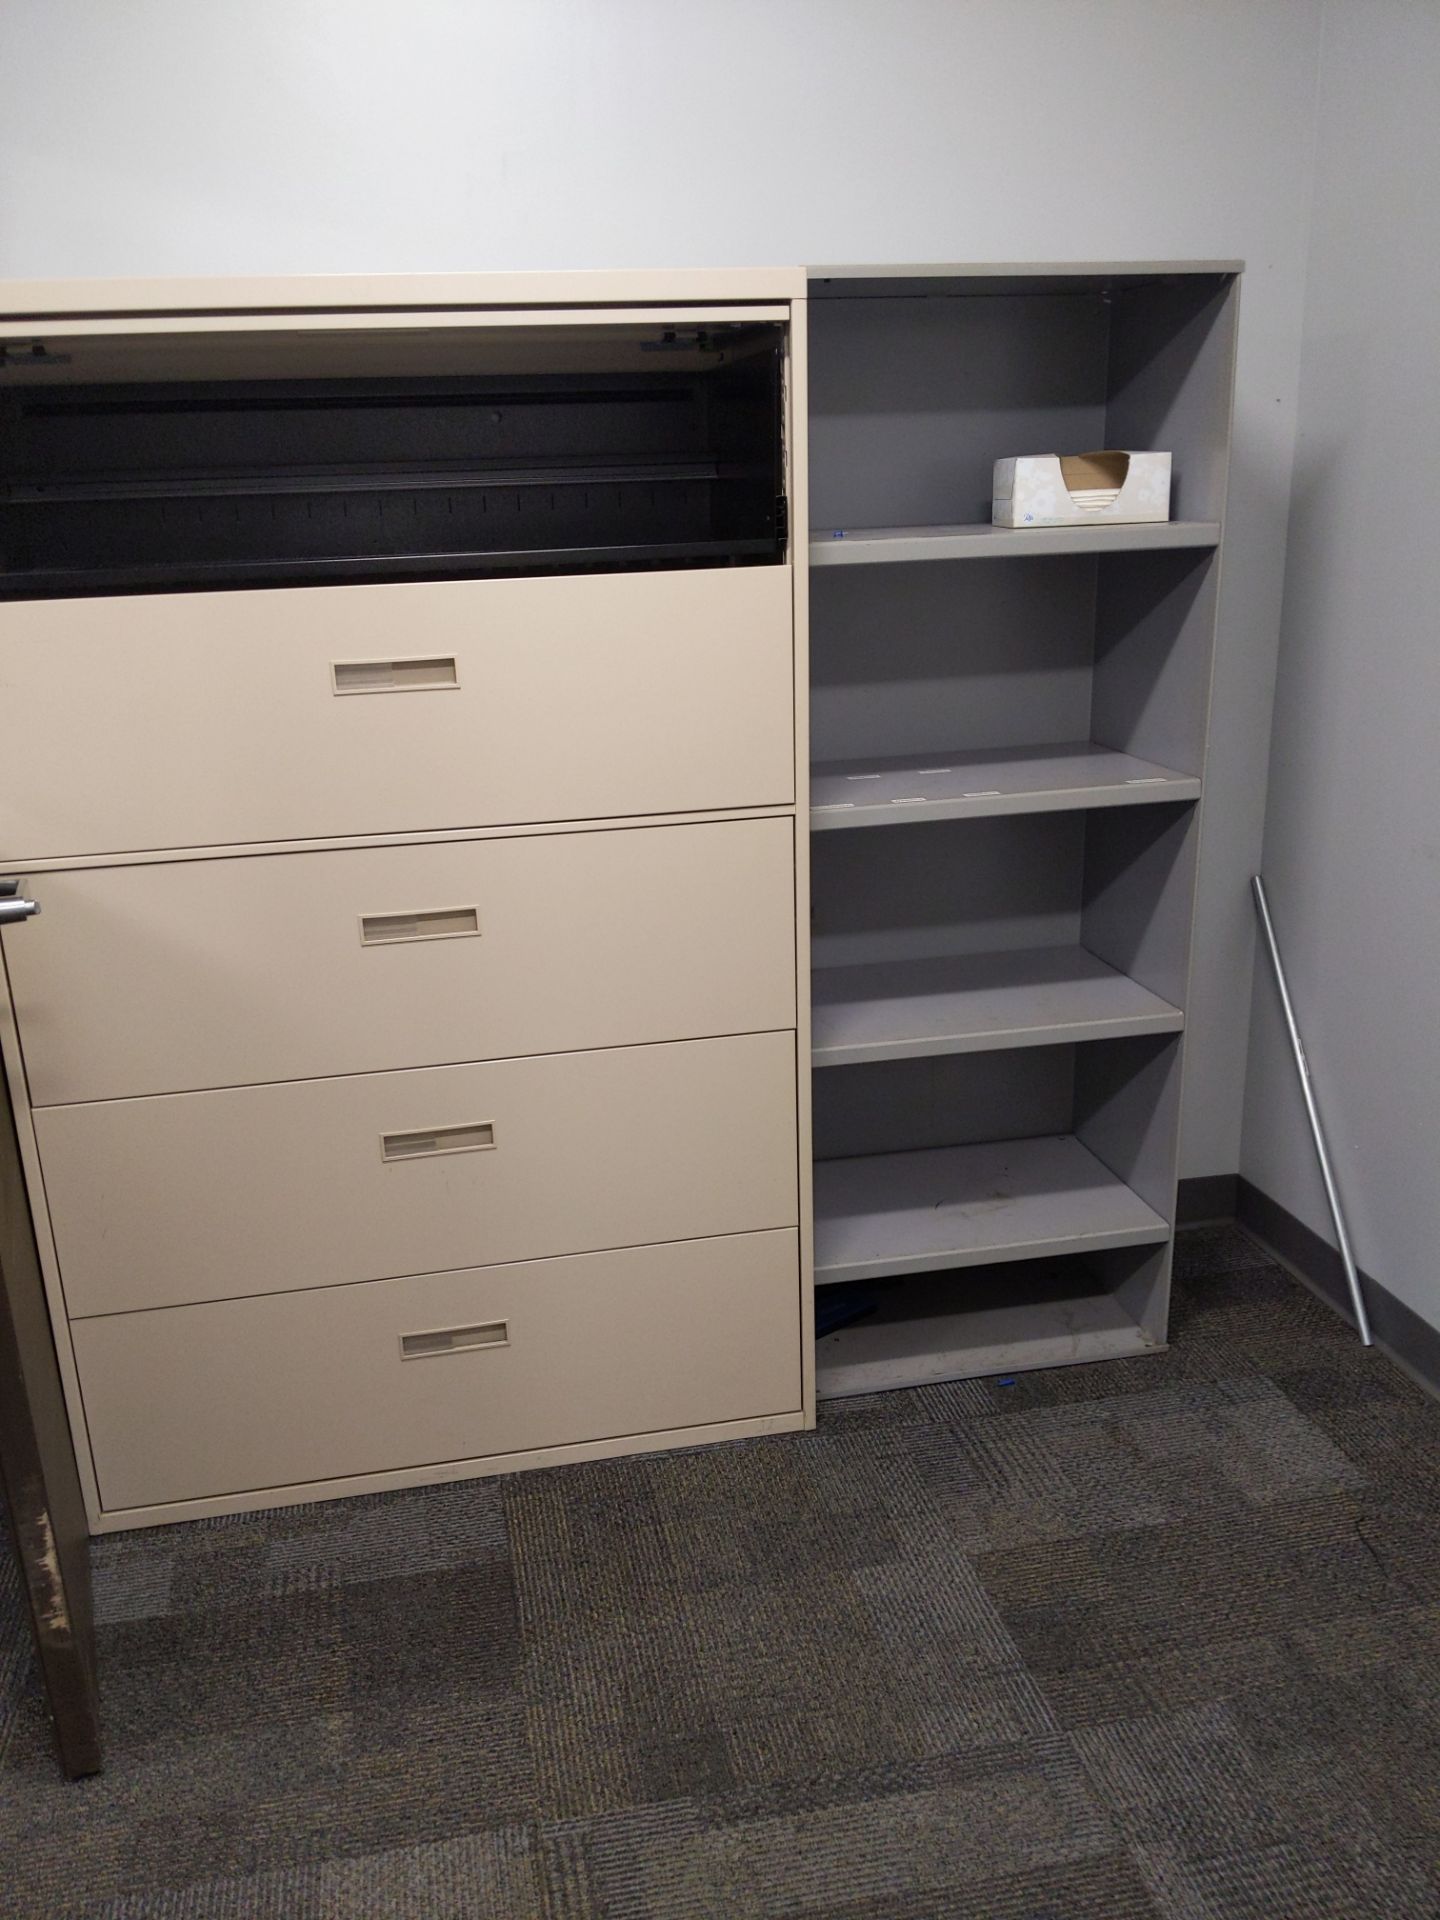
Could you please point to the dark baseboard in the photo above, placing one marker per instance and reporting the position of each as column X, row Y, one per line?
column 1413, row 1342
column 1202, row 1201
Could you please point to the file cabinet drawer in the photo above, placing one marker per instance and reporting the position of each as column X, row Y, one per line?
column 287, row 1389
column 190, row 720
column 220, row 973
column 205, row 1196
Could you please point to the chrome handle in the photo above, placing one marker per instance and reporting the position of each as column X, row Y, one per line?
column 12, row 906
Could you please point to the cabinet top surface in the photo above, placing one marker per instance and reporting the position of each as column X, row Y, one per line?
column 48, row 299
column 1006, row 276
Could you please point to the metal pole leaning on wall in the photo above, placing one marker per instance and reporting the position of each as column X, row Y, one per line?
column 1302, row 1067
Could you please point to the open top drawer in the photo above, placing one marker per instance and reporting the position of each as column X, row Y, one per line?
column 262, row 450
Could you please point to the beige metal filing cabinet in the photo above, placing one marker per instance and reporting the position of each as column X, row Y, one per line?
column 402, row 728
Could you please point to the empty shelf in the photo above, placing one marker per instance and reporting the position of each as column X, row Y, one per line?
column 1048, row 779
column 894, row 1213
column 971, row 1003
column 929, row 1330
column 865, row 546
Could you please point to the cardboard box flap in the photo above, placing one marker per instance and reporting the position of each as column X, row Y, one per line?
column 1088, row 472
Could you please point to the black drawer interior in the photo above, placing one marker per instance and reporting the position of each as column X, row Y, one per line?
column 666, row 453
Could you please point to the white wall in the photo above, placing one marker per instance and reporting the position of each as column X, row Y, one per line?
column 1352, row 845
column 199, row 136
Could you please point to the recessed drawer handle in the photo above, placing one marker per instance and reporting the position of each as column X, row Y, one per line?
column 395, row 676
column 437, row 923
column 424, row 1346
column 416, row 1146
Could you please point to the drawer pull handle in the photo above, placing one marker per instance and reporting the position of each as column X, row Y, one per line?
column 395, row 676
column 425, row 1346
column 479, row 1138
column 439, row 923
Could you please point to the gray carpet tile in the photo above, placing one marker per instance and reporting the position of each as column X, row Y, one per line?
column 1158, row 1640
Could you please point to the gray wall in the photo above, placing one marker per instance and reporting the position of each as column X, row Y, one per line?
column 204, row 136
column 1352, row 843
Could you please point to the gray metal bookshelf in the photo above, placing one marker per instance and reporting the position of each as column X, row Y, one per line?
column 1000, row 981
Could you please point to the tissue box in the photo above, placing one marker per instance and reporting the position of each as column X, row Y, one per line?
column 1080, row 489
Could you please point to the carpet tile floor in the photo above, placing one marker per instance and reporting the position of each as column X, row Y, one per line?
column 1156, row 1640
